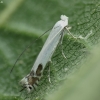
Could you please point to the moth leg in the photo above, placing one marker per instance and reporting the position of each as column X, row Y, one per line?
column 48, row 65
column 87, row 36
column 81, row 39
column 61, row 39
column 84, row 40
column 67, row 28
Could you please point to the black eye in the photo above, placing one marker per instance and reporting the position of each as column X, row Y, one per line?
column 30, row 87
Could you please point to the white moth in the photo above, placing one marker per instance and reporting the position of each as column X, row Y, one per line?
column 31, row 80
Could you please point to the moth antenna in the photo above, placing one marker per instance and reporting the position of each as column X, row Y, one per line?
column 27, row 48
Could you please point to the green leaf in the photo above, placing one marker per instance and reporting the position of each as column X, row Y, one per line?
column 22, row 21
column 84, row 84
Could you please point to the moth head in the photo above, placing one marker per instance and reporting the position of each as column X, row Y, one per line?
column 64, row 18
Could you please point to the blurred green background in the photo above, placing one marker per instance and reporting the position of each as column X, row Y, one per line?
column 22, row 21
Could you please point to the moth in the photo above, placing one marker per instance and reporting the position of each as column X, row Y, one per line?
column 43, row 60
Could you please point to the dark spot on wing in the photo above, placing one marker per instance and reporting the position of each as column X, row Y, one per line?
column 30, row 87
column 32, row 80
column 38, row 72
